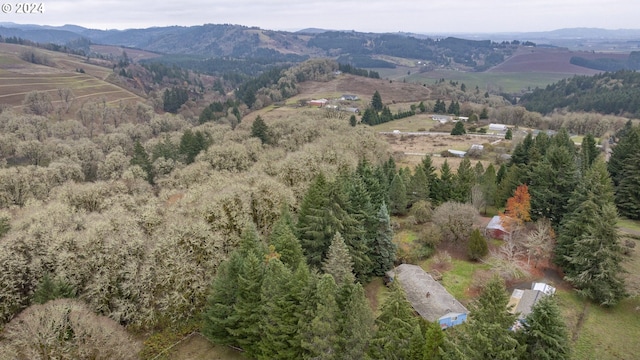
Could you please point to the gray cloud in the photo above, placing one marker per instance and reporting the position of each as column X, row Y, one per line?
column 371, row 15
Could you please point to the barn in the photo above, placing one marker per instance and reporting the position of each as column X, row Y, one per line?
column 428, row 297
column 495, row 229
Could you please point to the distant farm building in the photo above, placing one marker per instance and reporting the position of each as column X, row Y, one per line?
column 495, row 229
column 476, row 147
column 463, row 118
column 457, row 153
column 318, row 102
column 351, row 109
column 442, row 119
column 428, row 297
column 347, row 97
column 497, row 127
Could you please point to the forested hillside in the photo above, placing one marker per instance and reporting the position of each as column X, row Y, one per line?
column 208, row 210
column 615, row 93
column 240, row 42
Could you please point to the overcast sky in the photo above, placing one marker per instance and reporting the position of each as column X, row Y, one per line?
column 418, row 16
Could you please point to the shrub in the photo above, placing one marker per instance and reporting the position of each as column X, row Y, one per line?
column 477, row 248
column 455, row 221
column 421, row 211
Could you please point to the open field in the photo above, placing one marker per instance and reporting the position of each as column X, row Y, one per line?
column 18, row 77
column 550, row 60
column 363, row 87
column 409, row 150
column 116, row 51
column 507, row 82
column 526, row 69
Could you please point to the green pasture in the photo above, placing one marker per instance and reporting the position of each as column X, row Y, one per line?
column 507, row 82
column 599, row 332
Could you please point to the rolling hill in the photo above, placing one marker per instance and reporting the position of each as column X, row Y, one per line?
column 87, row 81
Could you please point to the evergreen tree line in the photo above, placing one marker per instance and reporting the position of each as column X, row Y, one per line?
column 350, row 69
column 378, row 113
column 268, row 302
column 174, row 98
column 218, row 109
column 606, row 93
column 572, row 188
column 441, row 108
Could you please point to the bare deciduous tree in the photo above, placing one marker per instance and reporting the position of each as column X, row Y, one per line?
column 66, row 329
column 455, row 221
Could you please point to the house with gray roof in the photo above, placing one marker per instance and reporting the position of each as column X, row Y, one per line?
column 428, row 297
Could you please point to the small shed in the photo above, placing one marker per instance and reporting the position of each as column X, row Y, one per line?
column 495, row 229
column 545, row 288
column 427, row 296
column 522, row 301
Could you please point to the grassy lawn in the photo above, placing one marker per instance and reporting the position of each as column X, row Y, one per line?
column 460, row 278
column 601, row 333
column 629, row 224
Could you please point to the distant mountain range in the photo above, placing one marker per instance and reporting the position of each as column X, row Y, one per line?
column 471, row 51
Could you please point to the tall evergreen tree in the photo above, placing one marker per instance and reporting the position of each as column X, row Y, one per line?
column 587, row 246
column 141, row 158
column 260, row 130
column 596, row 260
column 464, row 181
column 628, row 190
column 320, row 337
column 429, row 170
column 508, row 184
column 592, row 193
column 489, row 185
column 418, row 187
column 376, row 101
column 398, row 196
column 278, row 323
column 338, row 262
column 520, row 155
column 458, row 129
column 383, row 250
column 285, row 242
column 588, row 151
column 487, row 334
column 552, row 181
column 396, row 324
column 314, row 235
column 218, row 317
column 442, row 187
column 247, row 315
column 374, row 181
column 356, row 322
column 545, row 334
